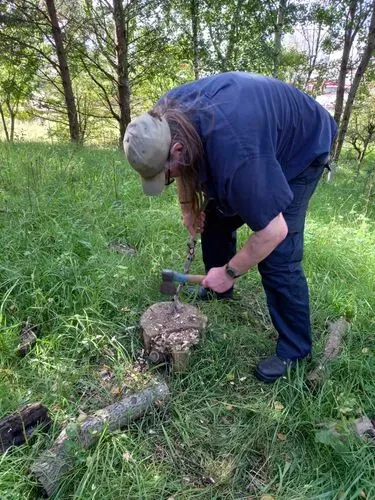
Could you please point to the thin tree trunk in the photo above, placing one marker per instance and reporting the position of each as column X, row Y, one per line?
column 12, row 116
column 233, row 35
column 4, row 123
column 314, row 55
column 363, row 153
column 370, row 47
column 366, row 143
column 348, row 42
column 277, row 39
column 64, row 72
column 122, row 66
column 194, row 28
column 12, row 125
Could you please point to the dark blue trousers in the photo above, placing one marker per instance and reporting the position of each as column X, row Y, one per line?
column 282, row 275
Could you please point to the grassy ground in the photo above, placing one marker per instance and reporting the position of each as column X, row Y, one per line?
column 223, row 435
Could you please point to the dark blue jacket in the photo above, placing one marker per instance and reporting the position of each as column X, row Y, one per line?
column 258, row 133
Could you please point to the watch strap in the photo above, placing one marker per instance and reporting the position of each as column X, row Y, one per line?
column 231, row 272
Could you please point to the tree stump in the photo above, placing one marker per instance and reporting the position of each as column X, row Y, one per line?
column 170, row 329
column 17, row 428
column 59, row 459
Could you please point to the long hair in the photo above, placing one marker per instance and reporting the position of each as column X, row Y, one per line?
column 183, row 131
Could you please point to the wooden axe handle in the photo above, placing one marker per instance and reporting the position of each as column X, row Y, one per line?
column 188, row 278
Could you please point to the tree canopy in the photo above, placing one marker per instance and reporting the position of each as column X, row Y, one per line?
column 87, row 66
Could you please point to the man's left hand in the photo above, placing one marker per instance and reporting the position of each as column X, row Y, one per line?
column 218, row 280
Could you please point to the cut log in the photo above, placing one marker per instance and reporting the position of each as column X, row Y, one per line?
column 332, row 349
column 17, row 428
column 55, row 462
column 171, row 330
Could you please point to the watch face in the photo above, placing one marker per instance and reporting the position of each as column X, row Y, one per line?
column 230, row 272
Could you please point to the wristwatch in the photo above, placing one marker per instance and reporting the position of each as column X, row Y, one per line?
column 231, row 272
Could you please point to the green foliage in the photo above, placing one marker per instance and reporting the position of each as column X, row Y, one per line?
column 18, row 68
column 361, row 130
column 222, row 434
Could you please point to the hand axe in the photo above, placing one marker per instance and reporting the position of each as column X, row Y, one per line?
column 170, row 278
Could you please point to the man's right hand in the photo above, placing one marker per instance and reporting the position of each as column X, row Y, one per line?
column 192, row 223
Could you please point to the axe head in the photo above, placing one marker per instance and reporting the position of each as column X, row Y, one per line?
column 168, row 288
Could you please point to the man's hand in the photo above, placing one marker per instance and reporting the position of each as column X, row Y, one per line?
column 218, row 280
column 192, row 223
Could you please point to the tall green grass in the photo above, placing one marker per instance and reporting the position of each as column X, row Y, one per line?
column 223, row 435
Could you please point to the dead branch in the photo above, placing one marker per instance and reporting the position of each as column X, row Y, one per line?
column 332, row 349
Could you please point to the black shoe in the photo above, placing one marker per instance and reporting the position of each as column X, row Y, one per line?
column 273, row 367
column 206, row 294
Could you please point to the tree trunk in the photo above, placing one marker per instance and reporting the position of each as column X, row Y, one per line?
column 277, row 39
column 233, row 36
column 64, row 72
column 12, row 124
column 12, row 117
column 194, row 30
column 369, row 49
column 348, row 42
column 4, row 123
column 122, row 67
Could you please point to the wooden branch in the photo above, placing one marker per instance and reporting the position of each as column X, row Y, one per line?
column 332, row 349
column 55, row 462
column 105, row 93
column 98, row 66
column 32, row 47
column 49, row 119
column 51, row 81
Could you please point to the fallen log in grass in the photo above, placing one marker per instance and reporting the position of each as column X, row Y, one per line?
column 59, row 459
column 17, row 428
column 332, row 349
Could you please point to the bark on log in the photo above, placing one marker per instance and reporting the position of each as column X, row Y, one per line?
column 332, row 349
column 15, row 429
column 180, row 360
column 55, row 462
